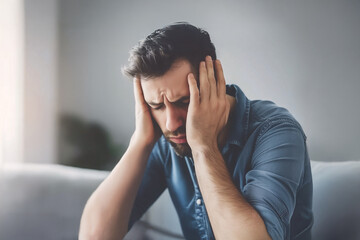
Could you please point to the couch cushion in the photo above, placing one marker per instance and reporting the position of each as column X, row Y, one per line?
column 46, row 201
column 336, row 202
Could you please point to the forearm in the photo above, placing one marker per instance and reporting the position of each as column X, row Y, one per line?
column 107, row 212
column 231, row 216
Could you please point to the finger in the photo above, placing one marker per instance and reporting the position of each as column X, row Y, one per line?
column 194, row 91
column 138, row 93
column 211, row 76
column 204, row 82
column 221, row 84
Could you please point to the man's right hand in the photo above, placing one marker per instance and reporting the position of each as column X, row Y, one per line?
column 147, row 132
column 108, row 218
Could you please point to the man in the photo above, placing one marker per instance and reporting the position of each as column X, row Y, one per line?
column 234, row 168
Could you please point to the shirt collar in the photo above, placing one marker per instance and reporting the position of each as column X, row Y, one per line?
column 239, row 117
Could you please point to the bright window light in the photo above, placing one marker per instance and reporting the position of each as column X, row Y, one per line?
column 11, row 80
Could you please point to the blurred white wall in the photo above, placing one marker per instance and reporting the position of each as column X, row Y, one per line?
column 304, row 55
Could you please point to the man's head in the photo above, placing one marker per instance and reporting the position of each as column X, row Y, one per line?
column 154, row 56
column 163, row 61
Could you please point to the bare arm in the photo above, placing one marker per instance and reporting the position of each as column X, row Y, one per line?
column 107, row 212
column 231, row 216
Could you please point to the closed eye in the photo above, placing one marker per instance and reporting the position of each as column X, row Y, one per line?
column 158, row 107
column 182, row 104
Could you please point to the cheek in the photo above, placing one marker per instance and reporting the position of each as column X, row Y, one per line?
column 184, row 115
column 159, row 117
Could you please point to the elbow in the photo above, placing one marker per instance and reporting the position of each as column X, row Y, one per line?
column 259, row 228
column 100, row 227
column 94, row 235
column 84, row 234
column 89, row 230
column 254, row 228
column 90, row 226
column 98, row 232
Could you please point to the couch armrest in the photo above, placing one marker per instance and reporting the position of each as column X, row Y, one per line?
column 44, row 201
column 336, row 200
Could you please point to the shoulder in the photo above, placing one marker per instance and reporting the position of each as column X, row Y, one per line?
column 266, row 115
column 261, row 110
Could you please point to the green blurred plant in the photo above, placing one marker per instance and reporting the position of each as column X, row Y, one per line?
column 86, row 144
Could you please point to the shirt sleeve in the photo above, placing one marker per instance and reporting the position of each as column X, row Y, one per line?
column 275, row 174
column 152, row 185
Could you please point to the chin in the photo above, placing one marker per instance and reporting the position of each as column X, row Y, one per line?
column 182, row 150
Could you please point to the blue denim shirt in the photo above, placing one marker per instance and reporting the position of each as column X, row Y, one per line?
column 267, row 159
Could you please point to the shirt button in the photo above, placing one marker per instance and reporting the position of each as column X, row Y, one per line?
column 198, row 201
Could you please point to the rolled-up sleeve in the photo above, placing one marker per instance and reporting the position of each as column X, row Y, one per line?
column 276, row 171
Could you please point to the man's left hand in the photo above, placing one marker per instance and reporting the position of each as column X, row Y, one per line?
column 208, row 109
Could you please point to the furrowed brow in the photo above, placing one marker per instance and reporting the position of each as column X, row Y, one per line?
column 178, row 100
column 182, row 99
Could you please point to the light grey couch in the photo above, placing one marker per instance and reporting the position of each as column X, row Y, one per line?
column 45, row 202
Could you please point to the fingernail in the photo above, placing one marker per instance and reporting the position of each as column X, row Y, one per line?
column 209, row 57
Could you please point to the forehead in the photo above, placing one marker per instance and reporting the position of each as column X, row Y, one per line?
column 173, row 84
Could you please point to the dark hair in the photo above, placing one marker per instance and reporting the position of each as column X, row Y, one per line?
column 154, row 56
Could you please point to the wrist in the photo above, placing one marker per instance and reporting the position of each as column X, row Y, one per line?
column 141, row 144
column 205, row 150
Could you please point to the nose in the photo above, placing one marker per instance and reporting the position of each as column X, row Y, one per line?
column 173, row 118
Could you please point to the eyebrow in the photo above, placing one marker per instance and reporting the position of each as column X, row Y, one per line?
column 178, row 100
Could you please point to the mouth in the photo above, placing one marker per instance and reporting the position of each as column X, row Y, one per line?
column 178, row 139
